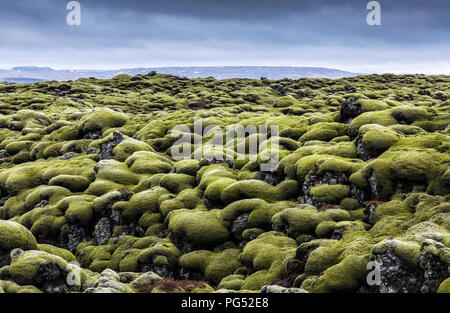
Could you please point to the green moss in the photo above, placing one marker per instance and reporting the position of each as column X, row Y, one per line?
column 409, row 252
column 345, row 276
column 143, row 162
column 191, row 198
column 262, row 217
column 16, row 147
column 140, row 203
column 390, row 226
column 215, row 188
column 323, row 132
column 25, row 265
column 193, row 225
column 321, row 258
column 394, row 207
column 232, row 282
column 188, row 167
column 251, row 233
column 103, row 119
column 116, row 172
column 159, row 248
column 78, row 209
column 325, row 228
column 18, row 179
column 13, row 235
column 52, row 194
column 344, row 138
column 296, row 221
column 63, row 253
column 11, row 287
column 213, row 265
column 233, row 210
column 177, row 182
column 368, row 105
column 414, row 165
column 299, row 163
column 286, row 101
column 72, row 182
column 258, row 189
column 330, row 193
column 410, row 114
column 376, row 139
column 350, row 204
column 383, row 118
column 101, row 187
column 293, row 132
column 444, row 287
column 267, row 255
column 128, row 147
column 47, row 225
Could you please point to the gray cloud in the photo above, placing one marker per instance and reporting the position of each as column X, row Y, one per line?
column 413, row 36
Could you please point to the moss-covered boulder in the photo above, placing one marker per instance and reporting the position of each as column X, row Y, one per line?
column 13, row 235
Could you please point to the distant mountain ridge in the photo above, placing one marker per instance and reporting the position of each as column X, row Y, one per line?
column 24, row 74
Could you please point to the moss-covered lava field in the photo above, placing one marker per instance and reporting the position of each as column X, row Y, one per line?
column 359, row 201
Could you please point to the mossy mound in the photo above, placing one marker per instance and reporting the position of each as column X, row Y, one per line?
column 13, row 235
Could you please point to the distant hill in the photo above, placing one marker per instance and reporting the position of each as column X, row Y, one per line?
column 28, row 74
column 21, row 80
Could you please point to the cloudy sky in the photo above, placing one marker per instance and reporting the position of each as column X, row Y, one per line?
column 413, row 38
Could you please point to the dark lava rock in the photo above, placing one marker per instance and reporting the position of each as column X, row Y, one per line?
column 396, row 275
column 369, row 214
column 106, row 148
column 42, row 204
column 434, row 272
column 91, row 151
column 50, row 278
column 402, row 118
column 190, row 275
column 272, row 178
column 239, row 225
column 424, row 92
column 327, row 178
column 357, row 193
column 3, row 200
column 108, row 219
column 103, row 231
column 337, row 233
column 93, row 135
column 64, row 87
column 72, row 236
column 213, row 161
column 374, row 187
column 362, row 151
column 165, row 271
column 279, row 88
column 350, row 110
column 5, row 258
column 399, row 277
column 293, row 269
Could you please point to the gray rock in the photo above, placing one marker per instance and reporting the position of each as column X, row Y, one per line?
column 148, row 278
column 279, row 289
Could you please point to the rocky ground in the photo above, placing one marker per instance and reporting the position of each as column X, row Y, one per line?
column 87, row 176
